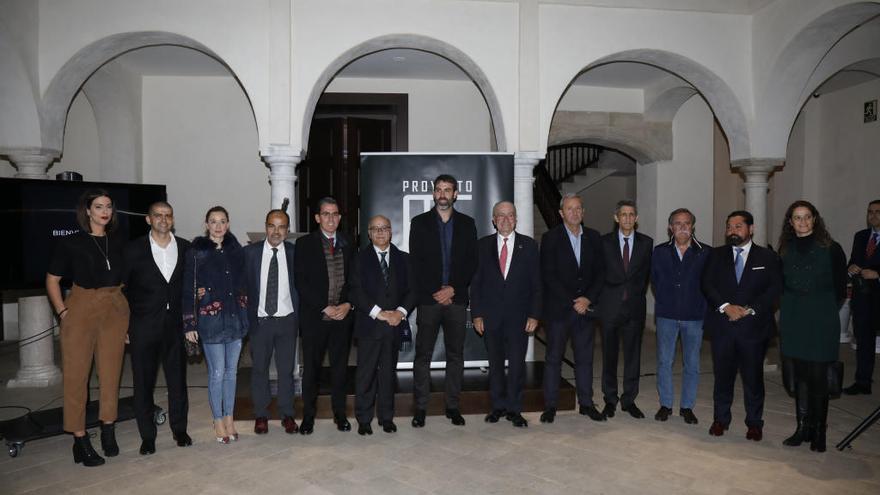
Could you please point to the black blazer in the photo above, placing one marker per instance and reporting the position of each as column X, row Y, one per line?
column 634, row 281
column 253, row 263
column 519, row 295
column 857, row 257
column 427, row 260
column 310, row 275
column 367, row 289
column 759, row 288
column 563, row 279
column 148, row 293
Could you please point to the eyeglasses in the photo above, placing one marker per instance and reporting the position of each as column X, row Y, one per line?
column 380, row 230
column 328, row 214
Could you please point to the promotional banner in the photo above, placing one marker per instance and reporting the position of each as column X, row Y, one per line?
column 401, row 185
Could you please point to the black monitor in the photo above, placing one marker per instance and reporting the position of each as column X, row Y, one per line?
column 35, row 213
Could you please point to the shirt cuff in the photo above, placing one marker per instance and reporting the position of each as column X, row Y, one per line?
column 721, row 308
column 403, row 311
column 375, row 311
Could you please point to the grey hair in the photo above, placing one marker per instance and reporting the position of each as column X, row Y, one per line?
column 569, row 196
column 625, row 202
column 501, row 203
column 680, row 211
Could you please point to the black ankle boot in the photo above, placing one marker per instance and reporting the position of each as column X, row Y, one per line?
column 84, row 453
column 108, row 440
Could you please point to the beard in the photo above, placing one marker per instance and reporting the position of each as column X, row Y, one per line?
column 734, row 240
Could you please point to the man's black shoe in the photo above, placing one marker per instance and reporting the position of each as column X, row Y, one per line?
column 148, row 446
column 418, row 420
column 518, row 420
column 365, row 429
column 688, row 416
column 633, row 411
column 608, row 410
column 389, row 427
column 663, row 413
column 857, row 388
column 342, row 423
column 307, row 426
column 455, row 416
column 549, row 415
column 592, row 412
column 182, row 439
column 494, row 416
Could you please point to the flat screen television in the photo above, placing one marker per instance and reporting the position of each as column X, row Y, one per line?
column 34, row 214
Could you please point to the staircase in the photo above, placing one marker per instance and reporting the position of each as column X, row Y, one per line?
column 568, row 168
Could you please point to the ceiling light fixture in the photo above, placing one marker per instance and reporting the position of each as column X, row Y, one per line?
column 398, row 58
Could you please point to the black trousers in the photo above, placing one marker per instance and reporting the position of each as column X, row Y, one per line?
column 622, row 328
column 376, row 376
column 865, row 334
column 160, row 344
column 507, row 339
column 453, row 318
column 332, row 338
column 811, row 382
column 276, row 335
column 581, row 330
column 732, row 354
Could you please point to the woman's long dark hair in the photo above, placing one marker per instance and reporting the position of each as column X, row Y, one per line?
column 82, row 210
column 820, row 233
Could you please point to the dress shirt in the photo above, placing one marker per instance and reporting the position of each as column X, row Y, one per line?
column 632, row 240
column 575, row 240
column 745, row 257
column 376, row 309
column 285, row 304
column 510, row 240
column 445, row 229
column 165, row 257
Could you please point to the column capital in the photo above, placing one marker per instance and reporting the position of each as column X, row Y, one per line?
column 280, row 154
column 32, row 163
column 757, row 169
column 528, row 158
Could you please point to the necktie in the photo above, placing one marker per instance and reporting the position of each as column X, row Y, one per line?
column 738, row 263
column 872, row 246
column 272, row 285
column 502, row 259
column 383, row 264
column 332, row 246
column 626, row 254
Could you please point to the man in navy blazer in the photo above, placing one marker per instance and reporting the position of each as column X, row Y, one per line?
column 383, row 291
column 505, row 307
column 572, row 271
column 742, row 282
column 272, row 313
column 864, row 266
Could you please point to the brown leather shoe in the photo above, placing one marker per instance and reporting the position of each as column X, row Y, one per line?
column 755, row 433
column 717, row 429
column 261, row 426
column 289, row 425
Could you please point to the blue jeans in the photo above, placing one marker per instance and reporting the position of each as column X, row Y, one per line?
column 222, row 362
column 691, row 339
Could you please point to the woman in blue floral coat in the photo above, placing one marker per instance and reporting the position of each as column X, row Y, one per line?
column 215, row 312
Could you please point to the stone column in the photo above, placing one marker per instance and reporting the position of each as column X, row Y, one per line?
column 523, row 189
column 32, row 164
column 282, row 162
column 36, row 348
column 756, row 175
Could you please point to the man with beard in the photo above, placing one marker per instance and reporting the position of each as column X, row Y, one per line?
column 742, row 282
column 443, row 252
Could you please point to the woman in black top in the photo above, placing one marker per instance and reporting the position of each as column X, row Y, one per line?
column 94, row 320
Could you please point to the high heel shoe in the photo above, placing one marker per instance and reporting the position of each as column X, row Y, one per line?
column 229, row 426
column 220, row 432
column 84, row 453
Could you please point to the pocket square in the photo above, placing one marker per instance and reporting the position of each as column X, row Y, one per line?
column 757, row 268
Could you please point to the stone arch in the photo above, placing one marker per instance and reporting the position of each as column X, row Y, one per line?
column 720, row 97
column 74, row 73
column 804, row 63
column 19, row 117
column 414, row 42
column 666, row 104
column 623, row 132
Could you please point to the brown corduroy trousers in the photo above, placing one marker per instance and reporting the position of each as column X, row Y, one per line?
column 94, row 327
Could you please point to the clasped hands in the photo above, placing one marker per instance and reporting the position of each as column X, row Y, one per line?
column 865, row 273
column 735, row 312
column 392, row 317
column 444, row 295
column 338, row 312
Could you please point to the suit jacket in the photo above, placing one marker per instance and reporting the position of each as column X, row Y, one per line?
column 253, row 263
column 562, row 279
column 759, row 288
column 858, row 257
column 427, row 259
column 148, row 293
column 310, row 275
column 519, row 295
column 633, row 281
column 367, row 289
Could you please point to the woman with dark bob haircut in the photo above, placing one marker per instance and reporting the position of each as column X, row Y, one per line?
column 94, row 320
column 215, row 312
column 814, row 268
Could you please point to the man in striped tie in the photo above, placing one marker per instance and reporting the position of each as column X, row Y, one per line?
column 864, row 265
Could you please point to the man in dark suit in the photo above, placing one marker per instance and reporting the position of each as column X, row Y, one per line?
column 272, row 314
column 382, row 290
column 321, row 268
column 622, row 304
column 742, row 282
column 572, row 272
column 153, row 285
column 442, row 245
column 864, row 266
column 505, row 306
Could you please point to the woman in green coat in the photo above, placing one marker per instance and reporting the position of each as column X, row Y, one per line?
column 814, row 267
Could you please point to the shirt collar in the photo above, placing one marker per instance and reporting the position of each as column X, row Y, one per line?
column 379, row 251
column 156, row 244
column 745, row 249
column 574, row 234
column 267, row 248
column 620, row 235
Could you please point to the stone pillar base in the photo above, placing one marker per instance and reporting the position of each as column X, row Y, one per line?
column 36, row 345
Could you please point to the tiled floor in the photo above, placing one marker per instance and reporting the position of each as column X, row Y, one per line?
column 573, row 455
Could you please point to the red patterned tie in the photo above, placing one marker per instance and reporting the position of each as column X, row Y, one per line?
column 502, row 260
column 332, row 246
column 872, row 246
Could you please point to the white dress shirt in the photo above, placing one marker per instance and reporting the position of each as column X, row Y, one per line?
column 165, row 257
column 376, row 309
column 285, row 304
column 510, row 240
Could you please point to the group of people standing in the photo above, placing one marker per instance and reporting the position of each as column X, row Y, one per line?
column 158, row 290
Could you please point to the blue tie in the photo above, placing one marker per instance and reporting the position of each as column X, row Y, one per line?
column 738, row 263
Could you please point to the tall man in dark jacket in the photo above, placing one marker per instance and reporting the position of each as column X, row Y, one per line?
column 442, row 245
column 383, row 292
column 506, row 305
column 321, row 268
column 622, row 307
column 572, row 272
column 864, row 266
column 742, row 282
column 153, row 285
column 272, row 312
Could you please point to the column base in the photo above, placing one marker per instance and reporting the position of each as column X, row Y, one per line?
column 36, row 377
